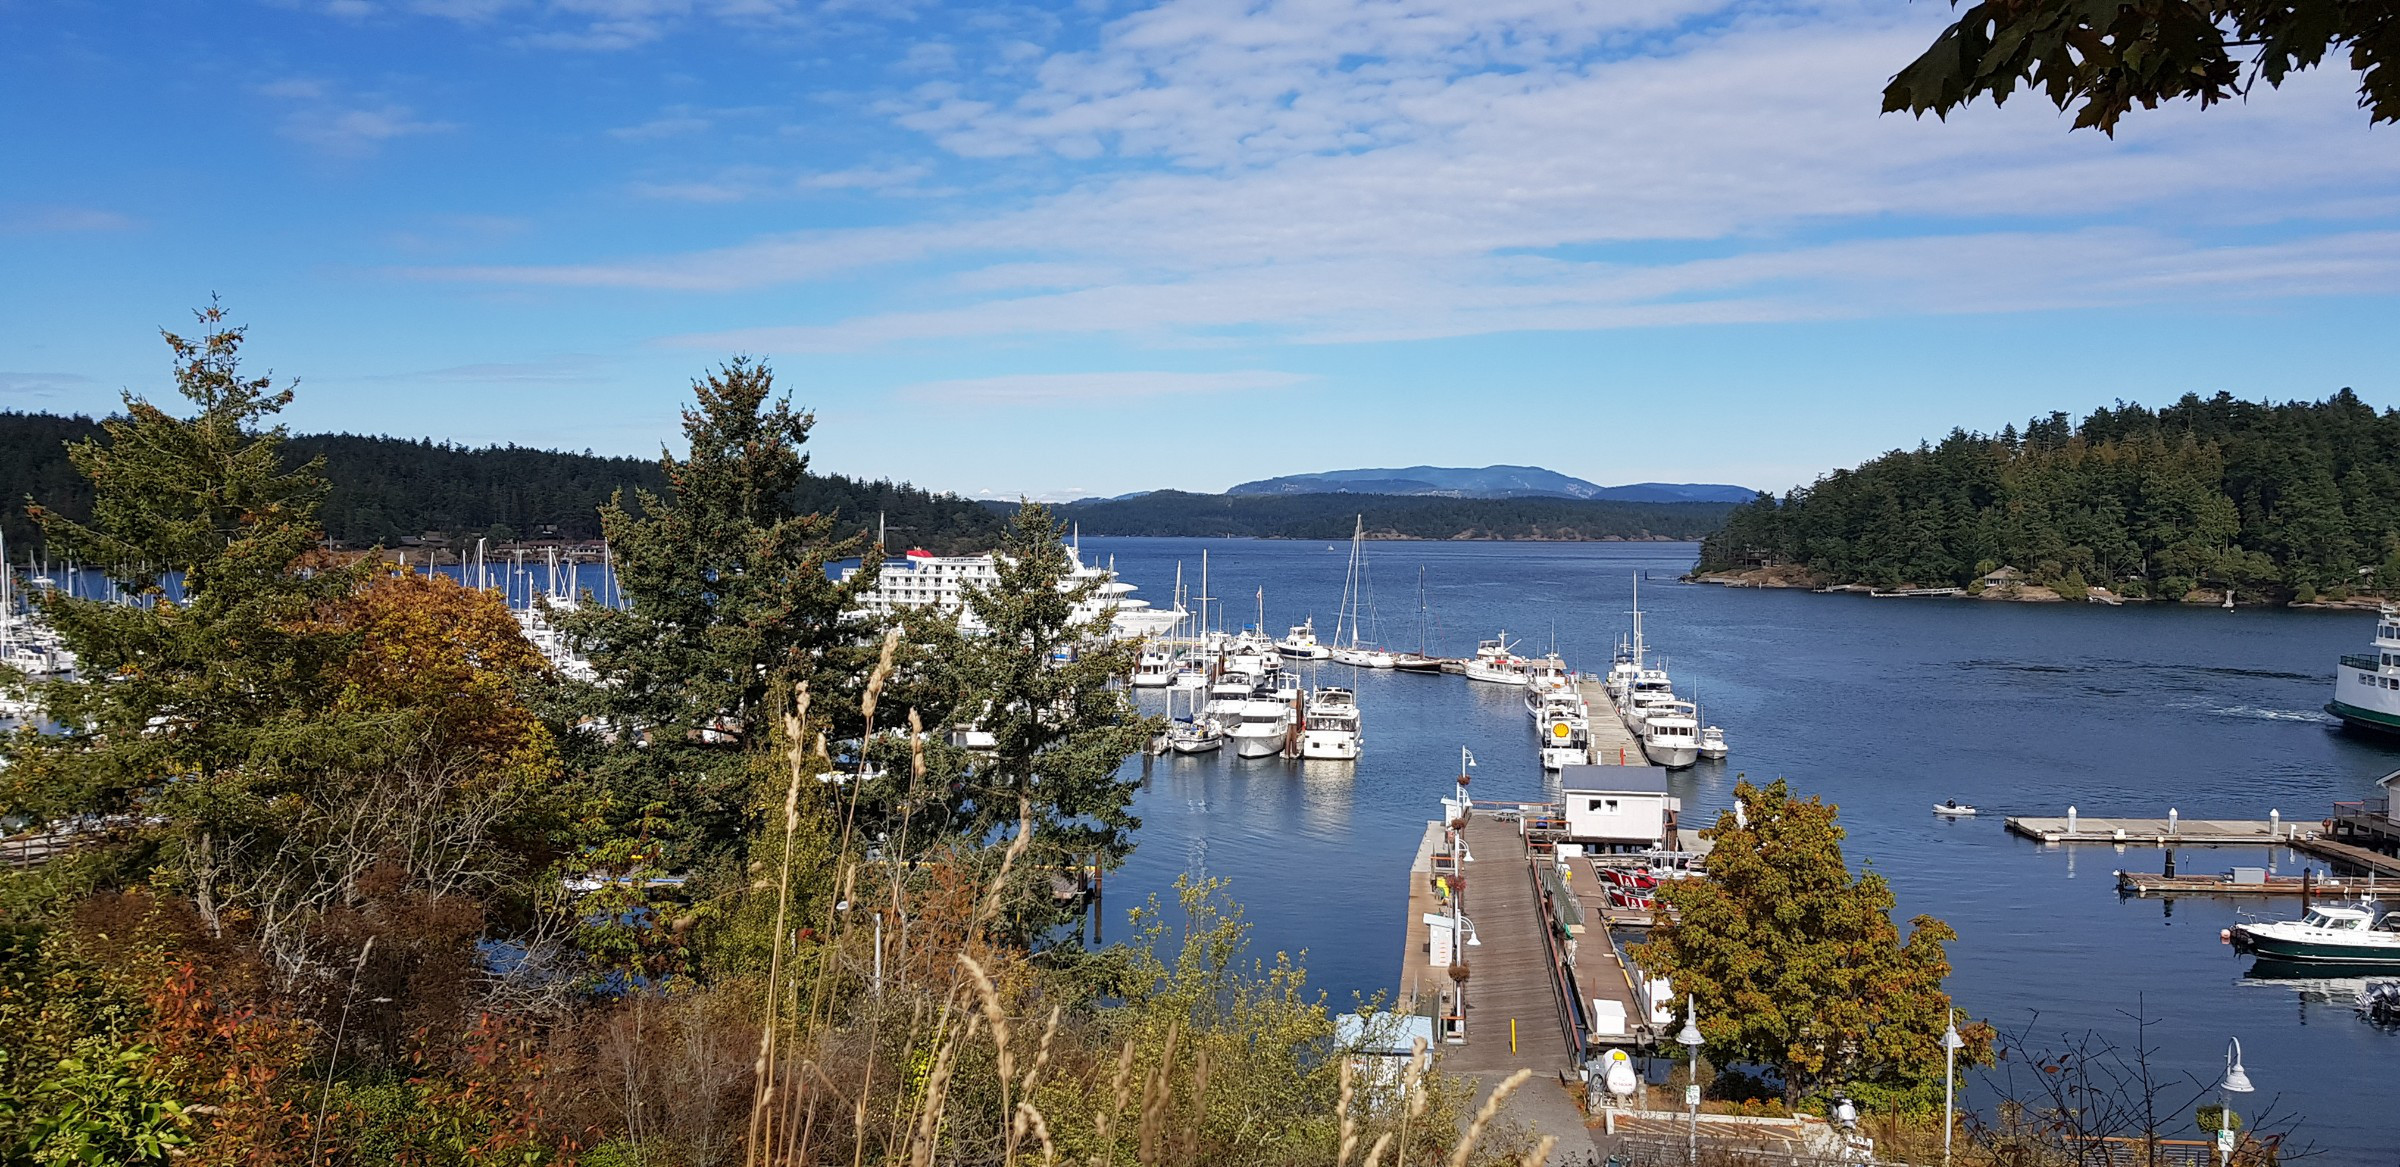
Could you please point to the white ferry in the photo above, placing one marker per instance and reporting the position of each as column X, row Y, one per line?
column 2366, row 693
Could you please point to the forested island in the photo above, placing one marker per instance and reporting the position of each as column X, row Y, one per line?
column 385, row 490
column 1387, row 516
column 2297, row 500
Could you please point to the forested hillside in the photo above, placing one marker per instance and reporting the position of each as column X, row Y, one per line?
column 386, row 488
column 2299, row 498
column 1330, row 516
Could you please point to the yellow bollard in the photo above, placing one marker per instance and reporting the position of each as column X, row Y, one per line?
column 1512, row 1035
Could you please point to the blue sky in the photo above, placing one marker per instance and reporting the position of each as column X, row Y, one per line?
column 1098, row 247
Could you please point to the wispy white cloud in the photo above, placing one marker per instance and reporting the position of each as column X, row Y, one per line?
column 878, row 178
column 324, row 118
column 43, row 385
column 24, row 220
column 1029, row 389
column 1375, row 169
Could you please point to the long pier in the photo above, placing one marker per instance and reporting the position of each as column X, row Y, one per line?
column 1611, row 743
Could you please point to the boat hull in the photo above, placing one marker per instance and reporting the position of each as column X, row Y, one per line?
column 2368, row 721
column 1673, row 757
column 1196, row 745
column 2317, row 953
column 1557, row 758
column 1257, row 745
column 1329, row 747
column 1491, row 676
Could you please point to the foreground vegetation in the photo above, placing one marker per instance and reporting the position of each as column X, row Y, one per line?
column 358, row 878
column 2299, row 499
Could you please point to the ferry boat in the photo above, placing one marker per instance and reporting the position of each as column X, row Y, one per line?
column 2329, row 934
column 1329, row 727
column 2366, row 691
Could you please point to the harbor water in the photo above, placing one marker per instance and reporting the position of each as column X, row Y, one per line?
column 1881, row 706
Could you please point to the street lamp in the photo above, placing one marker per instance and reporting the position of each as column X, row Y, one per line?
column 1951, row 1044
column 2235, row 1081
column 1691, row 1040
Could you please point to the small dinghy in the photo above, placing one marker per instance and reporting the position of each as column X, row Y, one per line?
column 1953, row 809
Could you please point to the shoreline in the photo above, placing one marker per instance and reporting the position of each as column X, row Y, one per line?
column 1799, row 579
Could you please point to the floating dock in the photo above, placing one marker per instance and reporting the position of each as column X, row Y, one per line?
column 1612, row 744
column 2373, row 862
column 2163, row 832
column 2140, row 883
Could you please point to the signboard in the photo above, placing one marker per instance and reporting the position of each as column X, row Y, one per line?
column 1445, row 941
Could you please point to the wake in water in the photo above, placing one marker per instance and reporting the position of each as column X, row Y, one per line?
column 2255, row 713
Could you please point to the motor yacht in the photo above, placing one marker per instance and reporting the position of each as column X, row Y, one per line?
column 1232, row 688
column 1547, row 672
column 1671, row 735
column 1264, row 730
column 1301, row 642
column 2328, row 934
column 1712, row 744
column 1155, row 669
column 1493, row 664
column 1195, row 735
column 1330, row 726
column 1191, row 675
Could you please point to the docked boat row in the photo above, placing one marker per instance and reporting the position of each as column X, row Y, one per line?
column 1667, row 726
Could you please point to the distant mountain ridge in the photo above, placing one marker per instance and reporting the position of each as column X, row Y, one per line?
column 1487, row 482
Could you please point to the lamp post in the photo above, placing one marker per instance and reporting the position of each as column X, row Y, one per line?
column 1691, row 1040
column 2235, row 1081
column 1951, row 1044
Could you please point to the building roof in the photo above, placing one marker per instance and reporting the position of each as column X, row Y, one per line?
column 1612, row 780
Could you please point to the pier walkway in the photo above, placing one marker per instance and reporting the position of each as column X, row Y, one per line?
column 1612, row 744
column 1514, row 981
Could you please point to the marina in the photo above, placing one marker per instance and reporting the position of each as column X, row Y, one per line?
column 2044, row 934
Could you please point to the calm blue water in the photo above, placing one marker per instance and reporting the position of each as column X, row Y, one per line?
column 1881, row 706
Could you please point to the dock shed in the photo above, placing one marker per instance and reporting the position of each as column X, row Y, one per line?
column 1618, row 808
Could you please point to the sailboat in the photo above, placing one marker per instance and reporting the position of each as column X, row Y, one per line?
column 1420, row 661
column 1354, row 651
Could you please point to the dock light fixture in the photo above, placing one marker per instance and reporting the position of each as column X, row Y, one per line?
column 1691, row 1040
column 1951, row 1044
column 2235, row 1081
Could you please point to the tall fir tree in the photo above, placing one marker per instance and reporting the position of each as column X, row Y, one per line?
column 204, row 701
column 729, row 600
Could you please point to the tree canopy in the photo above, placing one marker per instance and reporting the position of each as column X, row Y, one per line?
column 2297, row 498
column 2104, row 57
column 1795, row 964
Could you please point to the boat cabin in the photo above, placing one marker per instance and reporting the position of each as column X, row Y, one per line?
column 1618, row 808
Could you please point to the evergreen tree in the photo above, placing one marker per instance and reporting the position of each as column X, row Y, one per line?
column 729, row 601
column 206, row 702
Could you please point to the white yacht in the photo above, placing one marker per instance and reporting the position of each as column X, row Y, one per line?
column 1671, row 735
column 1191, row 675
column 2366, row 690
column 1231, row 690
column 1330, row 728
column 1264, row 728
column 1562, row 724
column 1301, row 642
column 1548, row 673
column 1195, row 735
column 1650, row 688
column 1494, row 664
column 1712, row 744
column 1156, row 669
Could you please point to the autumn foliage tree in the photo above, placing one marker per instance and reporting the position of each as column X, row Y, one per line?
column 1795, row 964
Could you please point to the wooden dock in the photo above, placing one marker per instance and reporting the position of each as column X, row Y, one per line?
column 2159, row 832
column 2373, row 862
column 1511, row 995
column 1611, row 743
column 2142, row 883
